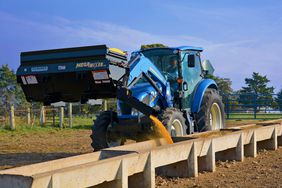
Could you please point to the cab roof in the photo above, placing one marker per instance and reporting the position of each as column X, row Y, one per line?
column 181, row 48
column 193, row 48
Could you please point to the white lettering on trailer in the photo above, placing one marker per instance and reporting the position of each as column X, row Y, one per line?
column 89, row 65
column 39, row 69
column 62, row 67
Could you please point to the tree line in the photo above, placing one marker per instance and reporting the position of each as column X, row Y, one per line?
column 10, row 92
column 255, row 94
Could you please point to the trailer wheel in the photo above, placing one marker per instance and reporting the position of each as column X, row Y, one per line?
column 174, row 122
column 211, row 114
column 100, row 136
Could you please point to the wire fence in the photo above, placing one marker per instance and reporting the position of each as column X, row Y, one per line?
column 237, row 106
column 56, row 116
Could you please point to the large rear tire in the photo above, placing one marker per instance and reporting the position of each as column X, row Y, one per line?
column 174, row 121
column 100, row 131
column 211, row 114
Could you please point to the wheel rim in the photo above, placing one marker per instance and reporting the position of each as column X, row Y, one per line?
column 111, row 142
column 215, row 117
column 176, row 128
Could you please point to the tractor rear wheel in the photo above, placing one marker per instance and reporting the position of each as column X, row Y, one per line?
column 211, row 114
column 101, row 136
column 174, row 121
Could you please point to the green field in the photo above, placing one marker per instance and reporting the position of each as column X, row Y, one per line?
column 251, row 116
column 85, row 123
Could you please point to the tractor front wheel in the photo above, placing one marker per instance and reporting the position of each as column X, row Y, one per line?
column 101, row 136
column 174, row 122
column 211, row 114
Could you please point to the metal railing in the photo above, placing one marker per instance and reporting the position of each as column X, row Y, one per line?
column 252, row 106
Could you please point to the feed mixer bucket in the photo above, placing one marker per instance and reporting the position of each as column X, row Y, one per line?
column 72, row 74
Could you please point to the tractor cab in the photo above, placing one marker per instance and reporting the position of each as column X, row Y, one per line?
column 181, row 68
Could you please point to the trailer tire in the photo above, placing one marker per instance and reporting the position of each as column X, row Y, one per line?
column 174, row 121
column 211, row 114
column 100, row 130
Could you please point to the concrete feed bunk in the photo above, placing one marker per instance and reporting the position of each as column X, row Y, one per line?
column 137, row 164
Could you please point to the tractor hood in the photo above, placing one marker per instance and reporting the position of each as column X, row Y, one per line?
column 143, row 92
column 139, row 90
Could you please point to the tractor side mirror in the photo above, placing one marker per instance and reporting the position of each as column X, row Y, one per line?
column 207, row 67
column 191, row 61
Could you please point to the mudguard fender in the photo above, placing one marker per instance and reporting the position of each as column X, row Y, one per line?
column 199, row 93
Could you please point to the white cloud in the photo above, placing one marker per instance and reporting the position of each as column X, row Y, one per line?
column 232, row 59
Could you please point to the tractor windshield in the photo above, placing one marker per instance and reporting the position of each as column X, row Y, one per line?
column 165, row 60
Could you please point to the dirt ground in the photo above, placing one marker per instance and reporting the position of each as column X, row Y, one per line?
column 27, row 147
column 17, row 149
column 263, row 171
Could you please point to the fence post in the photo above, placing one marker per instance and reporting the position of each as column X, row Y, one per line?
column 54, row 115
column 70, row 115
column 12, row 118
column 105, row 105
column 227, row 106
column 42, row 115
column 28, row 116
column 255, row 106
column 61, row 117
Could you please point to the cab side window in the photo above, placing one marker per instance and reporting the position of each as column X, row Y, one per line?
column 193, row 61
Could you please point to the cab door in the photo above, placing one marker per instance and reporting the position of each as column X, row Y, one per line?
column 191, row 73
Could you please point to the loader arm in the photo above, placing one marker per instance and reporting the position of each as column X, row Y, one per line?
column 142, row 68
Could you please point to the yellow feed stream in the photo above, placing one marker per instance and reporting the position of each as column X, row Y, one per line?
column 162, row 129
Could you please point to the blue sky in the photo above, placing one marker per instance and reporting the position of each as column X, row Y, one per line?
column 239, row 37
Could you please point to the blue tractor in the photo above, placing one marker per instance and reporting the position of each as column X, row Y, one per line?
column 169, row 83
